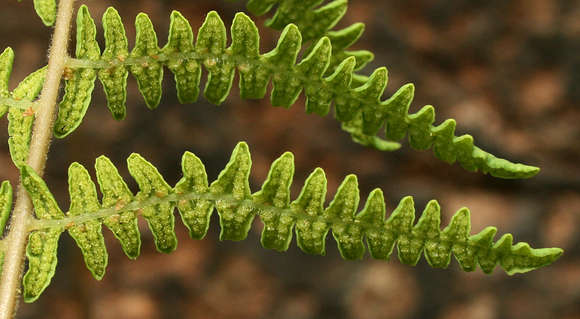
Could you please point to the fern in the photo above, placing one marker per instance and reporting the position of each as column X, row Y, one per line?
column 230, row 194
column 363, row 125
column 5, row 208
column 315, row 22
column 326, row 74
column 19, row 106
column 359, row 108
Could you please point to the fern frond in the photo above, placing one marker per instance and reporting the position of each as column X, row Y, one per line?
column 360, row 108
column 315, row 19
column 237, row 207
column 5, row 204
column 6, row 64
column 21, row 115
column 5, row 208
column 46, row 10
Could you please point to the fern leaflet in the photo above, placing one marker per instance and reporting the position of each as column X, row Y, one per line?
column 316, row 21
column 360, row 109
column 5, row 208
column 237, row 207
column 20, row 120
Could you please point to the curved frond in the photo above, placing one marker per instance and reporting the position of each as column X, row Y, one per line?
column 46, row 10
column 6, row 65
column 237, row 207
column 359, row 108
column 315, row 19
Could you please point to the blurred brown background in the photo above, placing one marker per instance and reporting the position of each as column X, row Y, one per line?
column 507, row 71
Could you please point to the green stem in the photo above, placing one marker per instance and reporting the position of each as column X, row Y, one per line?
column 19, row 104
column 258, row 209
column 242, row 62
column 43, row 126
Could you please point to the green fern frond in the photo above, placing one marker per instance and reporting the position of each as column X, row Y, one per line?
column 360, row 108
column 5, row 208
column 21, row 115
column 46, row 10
column 5, row 204
column 6, row 64
column 315, row 20
column 237, row 207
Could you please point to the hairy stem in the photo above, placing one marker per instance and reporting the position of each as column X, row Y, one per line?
column 43, row 126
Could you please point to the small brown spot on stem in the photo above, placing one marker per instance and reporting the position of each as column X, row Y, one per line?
column 29, row 112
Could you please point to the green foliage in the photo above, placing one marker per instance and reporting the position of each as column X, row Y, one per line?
column 359, row 108
column 81, row 82
column 114, row 78
column 43, row 244
column 5, row 204
column 19, row 121
column 5, row 208
column 46, row 10
column 19, row 106
column 316, row 21
column 237, row 207
column 326, row 75
column 6, row 63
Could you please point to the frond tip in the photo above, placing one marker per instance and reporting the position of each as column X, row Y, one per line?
column 237, row 207
column 358, row 104
column 46, row 10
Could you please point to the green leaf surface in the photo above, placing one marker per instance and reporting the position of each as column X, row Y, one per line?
column 6, row 63
column 187, row 72
column 116, row 195
column 235, row 218
column 274, row 196
column 159, row 216
column 114, row 76
column 358, row 101
column 42, row 244
column 231, row 195
column 149, row 74
column 79, row 82
column 195, row 213
column 88, row 235
column 20, row 121
column 46, row 10
column 315, row 20
column 5, row 208
column 5, row 204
